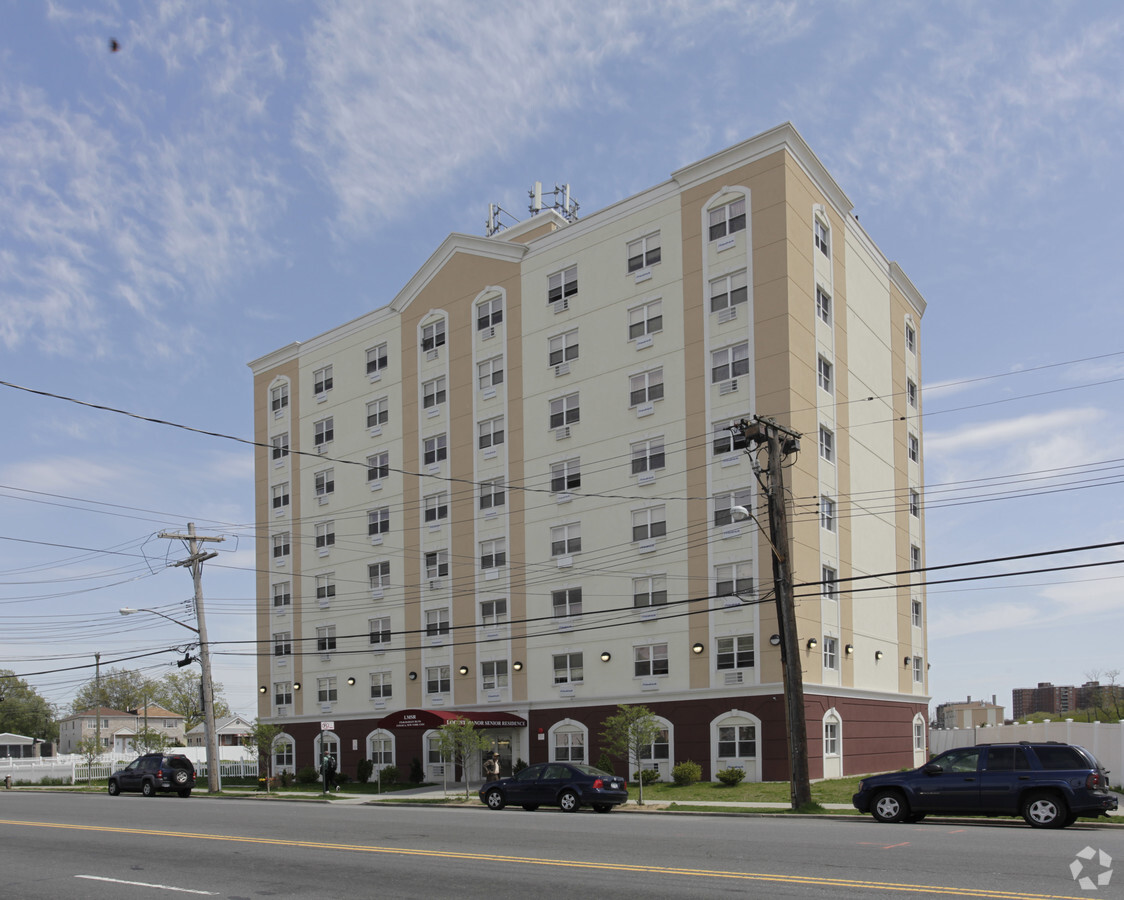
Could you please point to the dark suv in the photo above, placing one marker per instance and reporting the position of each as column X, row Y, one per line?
column 155, row 772
column 1049, row 784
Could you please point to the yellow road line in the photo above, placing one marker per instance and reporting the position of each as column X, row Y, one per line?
column 808, row 880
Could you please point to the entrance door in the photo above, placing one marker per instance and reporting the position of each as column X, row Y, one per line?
column 501, row 744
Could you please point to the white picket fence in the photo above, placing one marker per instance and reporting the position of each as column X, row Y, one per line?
column 73, row 769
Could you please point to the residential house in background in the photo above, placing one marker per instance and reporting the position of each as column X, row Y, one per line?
column 230, row 731
column 118, row 729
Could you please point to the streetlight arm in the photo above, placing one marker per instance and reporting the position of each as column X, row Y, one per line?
column 128, row 611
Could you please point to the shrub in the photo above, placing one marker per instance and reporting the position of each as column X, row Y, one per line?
column 520, row 765
column 342, row 778
column 730, row 777
column 308, row 775
column 646, row 776
column 390, row 775
column 605, row 762
column 286, row 778
column 363, row 770
column 686, row 773
column 417, row 774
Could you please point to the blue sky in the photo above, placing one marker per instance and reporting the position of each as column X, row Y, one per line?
column 240, row 176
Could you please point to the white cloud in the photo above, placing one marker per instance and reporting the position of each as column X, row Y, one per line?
column 1000, row 436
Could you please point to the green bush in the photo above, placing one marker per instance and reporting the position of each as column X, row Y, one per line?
column 417, row 773
column 730, row 777
column 605, row 762
column 390, row 775
column 520, row 765
column 646, row 776
column 363, row 770
column 286, row 778
column 342, row 778
column 308, row 775
column 686, row 773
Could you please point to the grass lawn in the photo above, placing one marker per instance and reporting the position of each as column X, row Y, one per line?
column 838, row 790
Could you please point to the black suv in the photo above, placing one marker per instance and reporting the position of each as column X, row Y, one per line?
column 1048, row 783
column 155, row 772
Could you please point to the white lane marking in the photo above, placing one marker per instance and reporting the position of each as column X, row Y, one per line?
column 161, row 887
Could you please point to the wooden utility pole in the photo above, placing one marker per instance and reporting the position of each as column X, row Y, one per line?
column 97, row 702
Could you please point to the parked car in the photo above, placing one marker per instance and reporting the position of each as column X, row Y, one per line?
column 565, row 785
column 1050, row 784
column 153, row 773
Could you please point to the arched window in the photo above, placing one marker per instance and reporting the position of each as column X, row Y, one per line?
column 568, row 741
column 735, row 737
column 380, row 748
column 283, row 754
column 832, row 744
column 326, row 744
column 920, row 739
column 657, row 754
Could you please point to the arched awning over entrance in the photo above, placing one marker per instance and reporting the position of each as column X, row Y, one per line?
column 435, row 718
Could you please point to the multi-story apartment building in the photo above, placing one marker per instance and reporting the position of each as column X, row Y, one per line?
column 506, row 494
column 968, row 714
column 1064, row 698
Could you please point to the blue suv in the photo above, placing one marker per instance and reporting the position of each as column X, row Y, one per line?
column 1049, row 784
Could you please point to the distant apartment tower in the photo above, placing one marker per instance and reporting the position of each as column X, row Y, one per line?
column 1046, row 698
column 506, row 494
column 968, row 714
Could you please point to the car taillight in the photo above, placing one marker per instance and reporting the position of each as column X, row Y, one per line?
column 159, row 773
column 1093, row 781
column 598, row 784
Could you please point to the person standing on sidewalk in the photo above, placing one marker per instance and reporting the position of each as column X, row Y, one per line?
column 492, row 768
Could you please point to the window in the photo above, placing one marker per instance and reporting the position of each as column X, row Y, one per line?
column 489, row 313
column 326, row 689
column 564, row 411
column 914, row 503
column 322, row 380
column 914, row 448
column 829, row 583
column 650, row 659
column 437, row 564
column 282, row 594
column 435, row 449
column 378, row 466
column 568, row 669
column 727, row 438
column 381, row 686
column 830, row 736
column 325, row 586
column 647, row 456
column 915, row 613
column 433, row 335
column 565, row 475
column 490, row 433
column 437, row 507
column 822, row 236
column 823, row 374
column 918, row 735
column 649, row 523
column 282, row 693
column 280, row 444
column 563, row 347
column 378, row 520
column 279, row 397
column 323, row 431
column 737, row 741
column 918, row 669
column 326, row 638
column 827, row 444
column 823, row 305
column 378, row 573
column 732, row 579
column 830, row 653
column 492, row 493
column 644, row 252
column 324, row 483
column 566, row 539
column 566, row 602
column 734, row 652
column 561, row 286
column 728, row 291
column 433, row 392
column 727, row 219
column 493, row 612
column 436, row 622
column 376, row 359
column 490, row 372
column 280, row 495
column 569, row 746
column 281, row 545
column 379, row 630
column 911, row 392
column 827, row 513
column 729, row 362
column 493, row 553
column 283, row 643
column 650, row 590
column 659, row 748
column 325, row 535
column 493, row 674
column 646, row 387
column 910, row 339
column 645, row 319
column 724, row 503
column 914, row 557
column 437, row 679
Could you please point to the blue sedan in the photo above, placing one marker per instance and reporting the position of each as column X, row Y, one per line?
column 565, row 785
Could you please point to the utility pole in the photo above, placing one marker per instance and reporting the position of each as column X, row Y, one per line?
column 97, row 703
column 195, row 561
column 779, row 443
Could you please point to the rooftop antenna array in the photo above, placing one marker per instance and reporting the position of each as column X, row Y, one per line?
column 494, row 225
column 562, row 203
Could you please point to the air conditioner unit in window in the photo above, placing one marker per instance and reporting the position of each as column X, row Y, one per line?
column 437, row 771
column 322, row 500
column 561, row 305
column 325, row 657
column 562, row 369
column 727, row 315
column 435, row 584
column 728, row 387
column 560, row 434
column 733, row 678
column 432, row 354
column 321, row 448
column 488, row 333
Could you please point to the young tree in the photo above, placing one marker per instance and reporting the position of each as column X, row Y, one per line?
column 261, row 738
column 629, row 734
column 458, row 741
column 149, row 740
column 90, row 750
column 23, row 710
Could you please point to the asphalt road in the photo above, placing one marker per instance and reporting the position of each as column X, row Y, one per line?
column 55, row 845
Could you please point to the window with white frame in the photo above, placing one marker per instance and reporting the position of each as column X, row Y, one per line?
column 734, row 652
column 433, row 392
column 324, row 482
column 914, row 447
column 376, row 359
column 282, row 643
column 918, row 735
column 566, row 539
column 918, row 669
column 279, row 397
column 561, row 286
column 827, row 513
column 727, row 219
column 829, row 583
column 830, row 737
column 489, row 313
column 568, row 668
column 562, row 348
column 281, row 545
column 647, row 318
column 830, row 653
column 379, row 629
column 647, row 455
column 437, row 679
column 378, row 520
column 566, row 602
column 433, row 749
column 280, row 495
column 490, row 433
column 650, row 659
column 728, row 438
column 822, row 237
column 726, row 501
column 733, row 579
column 565, row 475
column 437, row 564
column 824, row 374
column 737, row 741
column 914, row 557
column 378, row 574
column 280, row 444
column 282, row 693
column 326, row 691
column 437, row 507
column 649, row 590
column 728, row 291
column 381, row 686
column 659, row 748
column 325, row 535
column 910, row 339
column 649, row 523
column 326, row 638
column 493, row 612
column 493, row 674
column 282, row 593
column 827, row 444
column 823, row 305
column 915, row 612
column 382, row 750
column 493, row 553
column 645, row 387
column 378, row 466
column 435, row 449
column 378, row 412
column 489, row 373
column 437, row 621
column 323, row 431
column 729, row 362
column 914, row 503
column 325, row 586
column 283, row 753
column 569, row 746
column 911, row 392
column 433, row 335
column 492, row 493
column 644, row 252
column 564, row 411
column 322, row 380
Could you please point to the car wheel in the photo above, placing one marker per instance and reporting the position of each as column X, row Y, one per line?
column 148, row 789
column 915, row 817
column 180, row 777
column 569, row 801
column 530, row 807
column 184, row 792
column 114, row 789
column 494, row 799
column 603, row 807
column 1070, row 819
column 889, row 806
column 1044, row 810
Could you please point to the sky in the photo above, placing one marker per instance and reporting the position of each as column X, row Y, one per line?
column 239, row 176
